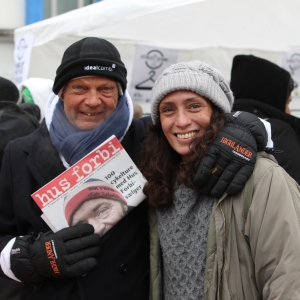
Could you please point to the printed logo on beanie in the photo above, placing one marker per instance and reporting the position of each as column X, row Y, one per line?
column 100, row 68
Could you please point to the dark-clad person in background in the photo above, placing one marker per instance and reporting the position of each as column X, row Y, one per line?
column 16, row 119
column 89, row 104
column 36, row 90
column 14, row 122
column 138, row 111
column 264, row 89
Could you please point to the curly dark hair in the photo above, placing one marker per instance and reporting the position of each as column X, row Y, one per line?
column 161, row 165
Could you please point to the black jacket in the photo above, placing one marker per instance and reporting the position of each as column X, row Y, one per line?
column 122, row 271
column 285, row 133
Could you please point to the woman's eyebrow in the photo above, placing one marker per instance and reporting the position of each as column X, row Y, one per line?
column 192, row 98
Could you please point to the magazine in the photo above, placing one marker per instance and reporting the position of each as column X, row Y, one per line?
column 99, row 189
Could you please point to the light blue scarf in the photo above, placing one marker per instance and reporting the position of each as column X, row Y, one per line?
column 73, row 144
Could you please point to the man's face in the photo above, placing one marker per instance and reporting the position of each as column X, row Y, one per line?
column 88, row 101
column 102, row 213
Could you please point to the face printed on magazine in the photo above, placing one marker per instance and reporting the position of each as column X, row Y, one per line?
column 102, row 213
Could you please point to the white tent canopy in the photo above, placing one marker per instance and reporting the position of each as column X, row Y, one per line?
column 210, row 30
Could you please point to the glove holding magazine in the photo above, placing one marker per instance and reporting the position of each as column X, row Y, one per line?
column 91, row 197
column 69, row 252
column 100, row 189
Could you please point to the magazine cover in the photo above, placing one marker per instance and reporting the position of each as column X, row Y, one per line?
column 100, row 189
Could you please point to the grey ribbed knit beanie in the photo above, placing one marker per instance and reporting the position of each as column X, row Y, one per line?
column 195, row 76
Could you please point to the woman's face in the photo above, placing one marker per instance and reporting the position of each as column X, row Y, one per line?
column 183, row 116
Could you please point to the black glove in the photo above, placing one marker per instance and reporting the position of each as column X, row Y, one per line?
column 67, row 253
column 231, row 157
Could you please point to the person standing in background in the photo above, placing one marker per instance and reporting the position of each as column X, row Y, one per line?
column 264, row 89
column 36, row 90
column 14, row 123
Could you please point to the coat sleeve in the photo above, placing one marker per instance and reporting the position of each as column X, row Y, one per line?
column 274, row 233
column 8, row 228
column 286, row 139
column 7, row 217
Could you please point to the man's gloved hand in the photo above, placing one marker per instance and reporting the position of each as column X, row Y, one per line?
column 67, row 253
column 230, row 159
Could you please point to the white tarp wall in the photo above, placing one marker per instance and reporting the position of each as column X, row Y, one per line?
column 210, row 30
column 11, row 16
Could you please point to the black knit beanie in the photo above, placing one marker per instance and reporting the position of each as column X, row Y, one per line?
column 259, row 79
column 8, row 91
column 90, row 56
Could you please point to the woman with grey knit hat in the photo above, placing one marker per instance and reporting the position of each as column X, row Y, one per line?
column 241, row 246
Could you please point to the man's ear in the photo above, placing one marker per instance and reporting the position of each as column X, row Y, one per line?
column 61, row 94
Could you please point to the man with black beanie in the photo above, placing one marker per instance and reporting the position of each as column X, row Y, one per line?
column 264, row 89
column 89, row 104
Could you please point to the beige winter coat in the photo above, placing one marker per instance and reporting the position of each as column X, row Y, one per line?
column 256, row 259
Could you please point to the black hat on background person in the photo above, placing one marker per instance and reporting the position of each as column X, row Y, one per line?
column 259, row 79
column 90, row 57
column 9, row 91
column 263, row 88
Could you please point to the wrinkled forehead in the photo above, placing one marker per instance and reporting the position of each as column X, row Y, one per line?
column 91, row 77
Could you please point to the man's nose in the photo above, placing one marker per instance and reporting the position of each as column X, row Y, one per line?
column 98, row 225
column 93, row 98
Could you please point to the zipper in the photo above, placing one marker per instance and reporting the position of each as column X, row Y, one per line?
column 224, row 245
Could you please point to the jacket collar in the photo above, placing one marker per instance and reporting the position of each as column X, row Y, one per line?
column 263, row 110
